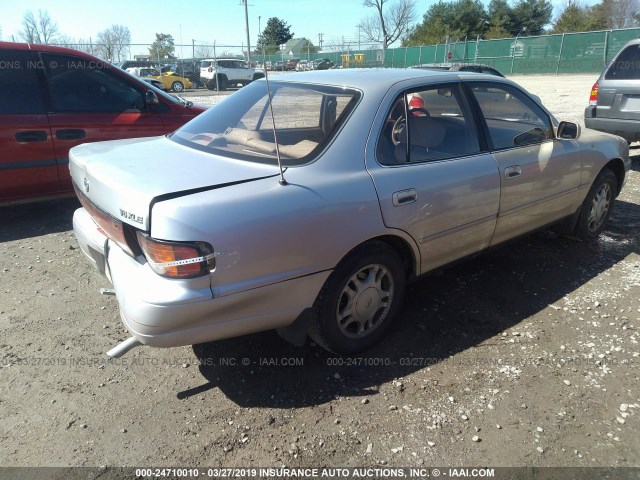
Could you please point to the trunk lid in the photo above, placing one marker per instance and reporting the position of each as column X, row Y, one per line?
column 125, row 177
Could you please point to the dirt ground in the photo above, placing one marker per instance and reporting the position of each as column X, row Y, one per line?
column 527, row 356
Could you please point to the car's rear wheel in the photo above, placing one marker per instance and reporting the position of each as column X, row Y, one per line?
column 359, row 300
column 177, row 86
column 596, row 208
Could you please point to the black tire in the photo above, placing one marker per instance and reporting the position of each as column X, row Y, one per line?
column 596, row 208
column 223, row 82
column 346, row 324
column 177, row 86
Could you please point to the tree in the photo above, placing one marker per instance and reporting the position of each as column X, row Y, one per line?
column 41, row 29
column 274, row 34
column 577, row 18
column 390, row 24
column 616, row 13
column 500, row 17
column 458, row 19
column 163, row 47
column 112, row 44
column 531, row 16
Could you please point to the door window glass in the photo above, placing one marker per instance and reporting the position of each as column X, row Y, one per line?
column 79, row 85
column 512, row 118
column 439, row 127
column 19, row 87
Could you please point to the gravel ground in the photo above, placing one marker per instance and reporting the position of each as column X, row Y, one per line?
column 527, row 356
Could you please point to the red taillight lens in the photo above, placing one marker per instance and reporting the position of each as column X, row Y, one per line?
column 177, row 259
column 593, row 98
column 109, row 226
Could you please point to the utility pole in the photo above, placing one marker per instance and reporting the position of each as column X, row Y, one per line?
column 246, row 22
column 193, row 48
column 320, row 40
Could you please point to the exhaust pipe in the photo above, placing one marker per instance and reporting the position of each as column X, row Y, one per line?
column 123, row 347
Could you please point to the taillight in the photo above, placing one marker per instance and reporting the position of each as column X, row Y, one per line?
column 209, row 69
column 177, row 259
column 593, row 98
column 109, row 226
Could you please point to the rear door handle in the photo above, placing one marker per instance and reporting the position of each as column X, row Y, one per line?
column 512, row 172
column 70, row 134
column 32, row 136
column 405, row 197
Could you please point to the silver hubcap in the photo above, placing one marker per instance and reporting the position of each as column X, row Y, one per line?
column 177, row 87
column 599, row 207
column 365, row 300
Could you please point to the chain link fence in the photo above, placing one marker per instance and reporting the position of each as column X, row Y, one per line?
column 584, row 52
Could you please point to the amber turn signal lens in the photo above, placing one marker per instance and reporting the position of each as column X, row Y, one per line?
column 177, row 259
column 593, row 98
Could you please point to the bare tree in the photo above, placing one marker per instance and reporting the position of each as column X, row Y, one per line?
column 41, row 29
column 204, row 51
column 78, row 44
column 112, row 44
column 388, row 24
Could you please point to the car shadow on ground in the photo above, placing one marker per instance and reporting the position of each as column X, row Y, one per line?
column 34, row 219
column 457, row 310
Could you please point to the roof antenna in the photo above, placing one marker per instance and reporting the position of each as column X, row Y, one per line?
column 282, row 181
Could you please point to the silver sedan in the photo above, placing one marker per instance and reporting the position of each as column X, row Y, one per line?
column 307, row 206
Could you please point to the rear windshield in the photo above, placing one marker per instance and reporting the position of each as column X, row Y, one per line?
column 205, row 63
column 241, row 126
column 626, row 66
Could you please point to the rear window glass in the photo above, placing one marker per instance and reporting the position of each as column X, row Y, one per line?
column 626, row 66
column 205, row 64
column 241, row 126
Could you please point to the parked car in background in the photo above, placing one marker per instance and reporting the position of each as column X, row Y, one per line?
column 614, row 102
column 460, row 67
column 53, row 98
column 372, row 196
column 321, row 64
column 222, row 73
column 302, row 65
column 187, row 69
column 169, row 80
column 156, row 83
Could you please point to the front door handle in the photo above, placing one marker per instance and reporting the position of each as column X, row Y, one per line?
column 405, row 197
column 70, row 134
column 32, row 136
column 512, row 172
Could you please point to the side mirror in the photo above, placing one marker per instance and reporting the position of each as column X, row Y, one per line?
column 150, row 98
column 568, row 131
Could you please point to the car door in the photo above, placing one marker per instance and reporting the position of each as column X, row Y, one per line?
column 539, row 175
column 434, row 178
column 28, row 162
column 88, row 102
column 244, row 72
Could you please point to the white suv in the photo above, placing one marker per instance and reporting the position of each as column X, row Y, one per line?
column 221, row 73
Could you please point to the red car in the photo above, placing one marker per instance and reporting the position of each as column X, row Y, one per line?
column 53, row 98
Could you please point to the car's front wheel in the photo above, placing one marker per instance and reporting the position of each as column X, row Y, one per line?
column 596, row 208
column 359, row 300
column 177, row 86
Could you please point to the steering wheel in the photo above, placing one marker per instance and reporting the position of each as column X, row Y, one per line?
column 415, row 110
column 398, row 129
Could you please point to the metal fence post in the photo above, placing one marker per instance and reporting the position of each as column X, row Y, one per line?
column 420, row 56
column 606, row 47
column 475, row 54
column 560, row 54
